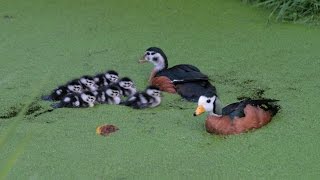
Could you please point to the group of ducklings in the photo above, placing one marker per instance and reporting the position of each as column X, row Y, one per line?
column 103, row 88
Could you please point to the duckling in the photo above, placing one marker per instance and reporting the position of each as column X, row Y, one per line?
column 126, row 86
column 110, row 94
column 186, row 80
column 88, row 83
column 237, row 117
column 57, row 94
column 104, row 79
column 77, row 100
column 151, row 97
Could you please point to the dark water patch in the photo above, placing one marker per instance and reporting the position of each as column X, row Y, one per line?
column 255, row 93
column 33, row 108
column 230, row 79
column 248, row 88
column 43, row 112
column 12, row 112
column 249, row 81
column 222, row 79
column 259, row 93
column 240, row 98
column 7, row 17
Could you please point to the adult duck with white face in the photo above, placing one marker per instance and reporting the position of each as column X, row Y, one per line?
column 238, row 117
column 185, row 79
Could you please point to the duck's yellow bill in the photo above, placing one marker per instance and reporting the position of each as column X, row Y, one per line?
column 98, row 130
column 200, row 109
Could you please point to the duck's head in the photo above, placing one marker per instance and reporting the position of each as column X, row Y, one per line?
column 210, row 104
column 157, row 57
column 153, row 91
column 112, row 76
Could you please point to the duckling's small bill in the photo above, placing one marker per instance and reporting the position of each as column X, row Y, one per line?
column 200, row 109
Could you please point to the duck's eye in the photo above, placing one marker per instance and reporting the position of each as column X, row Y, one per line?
column 155, row 59
column 208, row 101
column 148, row 53
column 153, row 53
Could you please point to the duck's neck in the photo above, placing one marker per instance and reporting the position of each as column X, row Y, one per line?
column 152, row 74
column 160, row 66
column 155, row 70
column 217, row 107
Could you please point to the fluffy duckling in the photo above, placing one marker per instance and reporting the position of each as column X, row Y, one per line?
column 88, row 83
column 57, row 94
column 151, row 97
column 85, row 83
column 77, row 100
column 237, row 117
column 104, row 79
column 108, row 95
column 126, row 86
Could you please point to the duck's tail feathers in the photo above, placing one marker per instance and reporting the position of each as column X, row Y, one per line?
column 266, row 104
column 181, row 81
column 56, row 105
column 46, row 98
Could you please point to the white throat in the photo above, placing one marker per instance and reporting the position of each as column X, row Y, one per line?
column 158, row 66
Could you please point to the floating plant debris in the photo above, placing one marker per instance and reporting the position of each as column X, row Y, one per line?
column 106, row 129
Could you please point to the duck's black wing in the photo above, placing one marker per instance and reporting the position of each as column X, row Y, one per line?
column 190, row 83
column 191, row 91
column 237, row 109
column 183, row 72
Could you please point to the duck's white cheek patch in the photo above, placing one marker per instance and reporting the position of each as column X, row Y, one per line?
column 67, row 99
column 58, row 92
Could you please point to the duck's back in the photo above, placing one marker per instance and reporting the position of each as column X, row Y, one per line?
column 193, row 90
column 242, row 116
column 182, row 72
column 187, row 81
